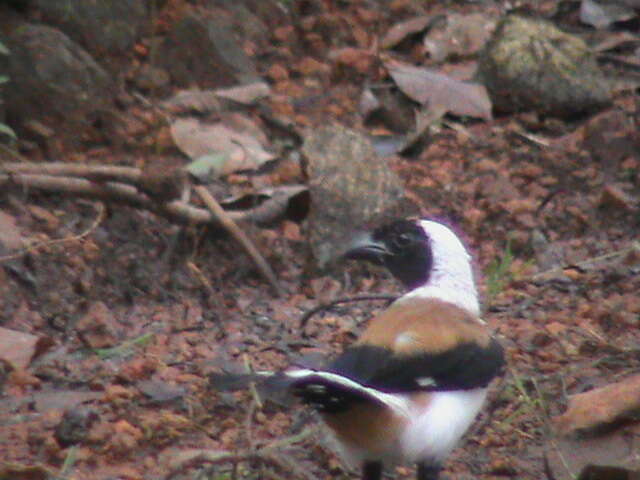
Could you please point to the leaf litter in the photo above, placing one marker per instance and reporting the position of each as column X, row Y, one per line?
column 571, row 331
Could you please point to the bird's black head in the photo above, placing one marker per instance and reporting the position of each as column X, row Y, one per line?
column 403, row 247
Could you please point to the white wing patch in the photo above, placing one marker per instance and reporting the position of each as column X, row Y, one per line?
column 426, row 382
column 403, row 340
column 397, row 403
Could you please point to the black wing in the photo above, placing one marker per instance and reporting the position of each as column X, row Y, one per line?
column 467, row 366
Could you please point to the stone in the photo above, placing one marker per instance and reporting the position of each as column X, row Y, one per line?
column 203, row 50
column 97, row 328
column 351, row 187
column 54, row 80
column 105, row 26
column 530, row 64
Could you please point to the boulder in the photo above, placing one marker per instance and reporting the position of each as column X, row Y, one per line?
column 351, row 187
column 105, row 26
column 530, row 64
column 202, row 49
column 53, row 80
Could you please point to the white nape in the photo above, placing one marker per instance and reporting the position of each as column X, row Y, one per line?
column 451, row 278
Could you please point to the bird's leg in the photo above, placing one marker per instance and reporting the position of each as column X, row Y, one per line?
column 372, row 470
column 428, row 472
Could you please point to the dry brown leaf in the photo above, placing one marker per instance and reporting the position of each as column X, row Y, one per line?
column 237, row 137
column 426, row 86
column 195, row 100
column 245, row 94
column 402, row 30
column 19, row 348
column 368, row 103
column 461, row 36
column 603, row 14
column 10, row 238
column 205, row 101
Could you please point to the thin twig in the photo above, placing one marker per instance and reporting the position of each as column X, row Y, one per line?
column 230, row 225
column 72, row 238
column 211, row 294
column 635, row 246
column 325, row 306
column 252, row 385
column 285, row 442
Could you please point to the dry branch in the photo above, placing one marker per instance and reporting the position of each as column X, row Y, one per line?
column 227, row 222
column 126, row 186
column 105, row 173
column 176, row 211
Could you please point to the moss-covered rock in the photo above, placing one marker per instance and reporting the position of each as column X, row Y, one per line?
column 530, row 64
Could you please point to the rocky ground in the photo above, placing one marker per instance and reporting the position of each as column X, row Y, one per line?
column 112, row 318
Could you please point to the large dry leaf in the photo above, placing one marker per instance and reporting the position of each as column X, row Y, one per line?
column 237, row 137
column 206, row 101
column 440, row 91
column 402, row 30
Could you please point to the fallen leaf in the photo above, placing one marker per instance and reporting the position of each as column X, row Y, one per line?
column 613, row 196
column 207, row 101
column 10, row 238
column 402, row 30
column 159, row 391
column 207, row 167
column 19, row 348
column 438, row 90
column 195, row 100
column 245, row 94
column 239, row 141
column 460, row 36
column 425, row 119
column 368, row 103
column 603, row 14
column 617, row 41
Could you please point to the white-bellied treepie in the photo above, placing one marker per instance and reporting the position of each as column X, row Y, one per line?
column 415, row 380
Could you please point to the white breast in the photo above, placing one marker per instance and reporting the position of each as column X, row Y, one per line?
column 431, row 429
column 434, row 430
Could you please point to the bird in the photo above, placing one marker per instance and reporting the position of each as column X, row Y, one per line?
column 414, row 381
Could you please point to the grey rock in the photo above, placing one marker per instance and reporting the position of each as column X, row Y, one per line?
column 203, row 50
column 530, row 64
column 74, row 426
column 110, row 26
column 350, row 187
column 252, row 19
column 52, row 79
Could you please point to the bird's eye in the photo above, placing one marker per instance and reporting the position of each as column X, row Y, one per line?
column 403, row 240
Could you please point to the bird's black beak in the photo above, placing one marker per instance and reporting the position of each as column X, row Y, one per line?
column 364, row 247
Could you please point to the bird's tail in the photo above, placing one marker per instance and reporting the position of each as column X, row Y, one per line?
column 326, row 391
